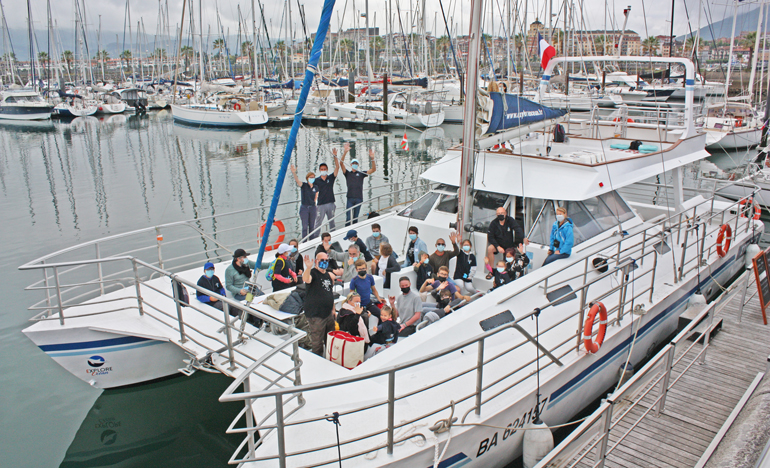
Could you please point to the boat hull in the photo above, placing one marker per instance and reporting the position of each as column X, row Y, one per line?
column 733, row 140
column 25, row 112
column 118, row 108
column 215, row 118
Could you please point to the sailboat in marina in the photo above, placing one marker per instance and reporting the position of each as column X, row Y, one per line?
column 532, row 352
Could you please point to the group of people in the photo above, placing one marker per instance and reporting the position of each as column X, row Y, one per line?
column 317, row 201
column 364, row 259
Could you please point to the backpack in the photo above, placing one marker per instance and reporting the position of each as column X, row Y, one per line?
column 558, row 133
column 181, row 293
column 270, row 273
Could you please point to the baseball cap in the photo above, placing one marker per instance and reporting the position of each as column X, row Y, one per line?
column 351, row 233
column 208, row 266
column 283, row 248
column 240, row 253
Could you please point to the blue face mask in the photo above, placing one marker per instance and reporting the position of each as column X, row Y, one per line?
column 467, row 248
column 376, row 234
column 311, row 180
column 500, row 269
column 323, row 264
column 293, row 249
column 354, row 166
column 413, row 236
column 209, row 273
column 440, row 248
column 426, row 261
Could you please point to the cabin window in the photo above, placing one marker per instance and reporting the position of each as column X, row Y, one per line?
column 484, row 206
column 421, row 208
column 618, row 206
column 447, row 203
column 10, row 99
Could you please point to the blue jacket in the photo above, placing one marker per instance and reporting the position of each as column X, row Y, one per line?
column 564, row 235
column 419, row 246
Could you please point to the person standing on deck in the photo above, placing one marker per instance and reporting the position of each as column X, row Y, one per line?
column 319, row 300
column 308, row 200
column 325, row 199
column 355, row 181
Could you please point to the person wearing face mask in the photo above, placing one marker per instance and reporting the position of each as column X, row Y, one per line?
column 283, row 276
column 348, row 261
column 386, row 264
column 319, row 300
column 210, row 282
column 465, row 269
column 352, row 236
column 295, row 259
column 408, row 307
column 440, row 283
column 440, row 257
column 501, row 275
column 355, row 180
column 326, row 201
column 423, row 269
column 504, row 232
column 516, row 261
column 416, row 245
column 562, row 237
column 373, row 242
column 350, row 320
column 308, row 199
column 363, row 284
column 335, row 256
column 237, row 273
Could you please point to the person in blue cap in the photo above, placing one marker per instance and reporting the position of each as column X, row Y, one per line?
column 210, row 282
column 352, row 236
column 355, row 180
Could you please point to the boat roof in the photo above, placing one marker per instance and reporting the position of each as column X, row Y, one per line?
column 580, row 175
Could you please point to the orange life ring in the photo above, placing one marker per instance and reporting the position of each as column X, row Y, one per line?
column 739, row 121
column 363, row 91
column 591, row 345
column 281, row 236
column 237, row 106
column 617, row 119
column 724, row 238
column 757, row 209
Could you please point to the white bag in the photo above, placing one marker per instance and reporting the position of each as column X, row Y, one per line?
column 345, row 349
column 374, row 348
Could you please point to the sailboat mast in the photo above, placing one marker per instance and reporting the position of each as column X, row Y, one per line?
column 671, row 39
column 178, row 51
column 254, row 44
column 756, row 53
column 732, row 45
column 465, row 204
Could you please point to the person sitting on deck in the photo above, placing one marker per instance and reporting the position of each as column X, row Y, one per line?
column 386, row 265
column 516, row 261
column 350, row 320
column 504, row 232
column 416, row 245
column 373, row 242
column 441, row 282
column 408, row 306
column 423, row 269
column 210, row 282
column 386, row 333
column 500, row 274
column 562, row 237
column 363, row 284
column 441, row 258
column 283, row 276
column 295, row 260
column 465, row 269
column 237, row 273
column 326, row 247
column 348, row 261
column 352, row 236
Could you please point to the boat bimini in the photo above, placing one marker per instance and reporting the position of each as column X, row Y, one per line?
column 530, row 350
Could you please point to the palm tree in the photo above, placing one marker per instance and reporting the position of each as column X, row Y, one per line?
column 219, row 45
column 748, row 42
column 187, row 53
column 42, row 57
column 67, row 57
column 347, row 45
column 125, row 56
column 650, row 45
column 375, row 43
column 443, row 46
column 600, row 44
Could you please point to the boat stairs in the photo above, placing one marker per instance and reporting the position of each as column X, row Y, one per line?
column 681, row 408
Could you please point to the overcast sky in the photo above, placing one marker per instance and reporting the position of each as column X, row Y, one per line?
column 112, row 14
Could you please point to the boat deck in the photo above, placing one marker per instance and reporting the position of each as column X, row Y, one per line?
column 701, row 402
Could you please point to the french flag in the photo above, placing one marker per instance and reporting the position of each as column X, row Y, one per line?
column 546, row 51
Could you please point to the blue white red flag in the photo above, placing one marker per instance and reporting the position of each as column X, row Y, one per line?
column 546, row 50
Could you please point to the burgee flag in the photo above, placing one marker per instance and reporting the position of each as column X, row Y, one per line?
column 405, row 143
column 546, row 51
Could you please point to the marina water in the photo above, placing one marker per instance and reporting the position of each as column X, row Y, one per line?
column 66, row 182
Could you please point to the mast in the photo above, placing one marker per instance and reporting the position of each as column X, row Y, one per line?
column 756, row 52
column 369, row 73
column 200, row 41
column 730, row 55
column 31, row 45
column 178, row 52
column 465, row 205
column 254, row 43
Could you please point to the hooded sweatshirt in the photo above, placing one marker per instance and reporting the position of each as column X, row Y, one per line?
column 564, row 235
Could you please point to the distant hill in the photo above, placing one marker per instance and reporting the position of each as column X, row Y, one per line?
column 746, row 21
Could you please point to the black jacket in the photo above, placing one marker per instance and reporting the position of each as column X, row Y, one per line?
column 507, row 235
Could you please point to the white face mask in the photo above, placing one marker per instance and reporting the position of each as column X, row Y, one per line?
column 323, row 173
column 559, row 217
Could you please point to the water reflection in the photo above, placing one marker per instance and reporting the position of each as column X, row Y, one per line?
column 175, row 422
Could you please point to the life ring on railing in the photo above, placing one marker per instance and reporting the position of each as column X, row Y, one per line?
column 724, row 238
column 281, row 235
column 591, row 345
column 617, row 119
column 757, row 209
column 237, row 106
column 739, row 121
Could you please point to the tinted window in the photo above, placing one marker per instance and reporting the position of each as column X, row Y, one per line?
column 617, row 206
column 541, row 231
column 484, row 206
column 447, row 203
column 583, row 224
column 421, row 208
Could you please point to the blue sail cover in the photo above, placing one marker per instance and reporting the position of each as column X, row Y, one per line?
column 518, row 111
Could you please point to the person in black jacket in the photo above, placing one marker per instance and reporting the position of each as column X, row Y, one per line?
column 465, row 269
column 504, row 232
column 210, row 282
column 386, row 265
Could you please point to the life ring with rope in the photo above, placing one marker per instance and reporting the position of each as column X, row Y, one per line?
column 281, row 235
column 591, row 345
column 724, row 238
column 745, row 209
column 739, row 121
column 617, row 119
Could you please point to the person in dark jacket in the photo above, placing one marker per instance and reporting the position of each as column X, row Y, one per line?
column 283, row 276
column 504, row 232
column 386, row 265
column 518, row 261
column 562, row 237
column 423, row 269
column 352, row 236
column 386, row 333
column 465, row 269
column 349, row 317
column 210, row 282
column 501, row 275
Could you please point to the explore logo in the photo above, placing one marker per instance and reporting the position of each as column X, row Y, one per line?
column 97, row 366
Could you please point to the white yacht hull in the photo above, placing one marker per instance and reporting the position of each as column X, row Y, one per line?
column 117, row 108
column 210, row 116
column 395, row 118
column 718, row 140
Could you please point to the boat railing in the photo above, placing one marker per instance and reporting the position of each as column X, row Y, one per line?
column 624, row 253
column 174, row 247
column 589, row 444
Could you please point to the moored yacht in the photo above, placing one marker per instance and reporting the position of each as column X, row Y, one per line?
column 23, row 104
column 402, row 110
